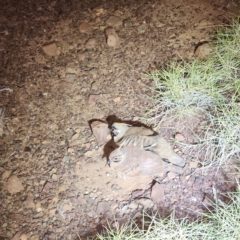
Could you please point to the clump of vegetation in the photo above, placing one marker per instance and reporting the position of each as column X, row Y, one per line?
column 220, row 223
column 207, row 88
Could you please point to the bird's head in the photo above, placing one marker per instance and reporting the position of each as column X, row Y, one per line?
column 118, row 130
column 116, row 157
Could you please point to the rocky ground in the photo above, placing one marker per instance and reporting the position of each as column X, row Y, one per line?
column 66, row 63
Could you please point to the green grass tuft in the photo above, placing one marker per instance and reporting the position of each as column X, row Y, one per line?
column 209, row 89
column 222, row 223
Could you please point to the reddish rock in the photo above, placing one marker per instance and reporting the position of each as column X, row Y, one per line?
column 112, row 38
column 100, row 131
column 51, row 49
column 14, row 184
column 114, row 21
column 103, row 207
column 90, row 43
column 85, row 27
column 92, row 98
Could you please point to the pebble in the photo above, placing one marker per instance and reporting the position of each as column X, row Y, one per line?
column 103, row 207
column 38, row 207
column 6, row 174
column 114, row 21
column 66, row 158
column 100, row 131
column 117, row 99
column 70, row 77
column 81, row 55
column 23, row 236
column 29, row 203
column 14, row 184
column 67, row 207
column 203, row 51
column 193, row 164
column 112, row 37
column 92, row 98
column 90, row 43
column 90, row 201
column 35, row 237
column 142, row 28
column 179, row 137
column 85, row 27
column 51, row 49
column 54, row 177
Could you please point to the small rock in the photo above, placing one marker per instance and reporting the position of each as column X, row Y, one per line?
column 81, row 55
column 92, row 98
column 35, row 237
column 142, row 28
column 66, row 158
column 75, row 136
column 23, row 237
column 6, row 174
column 112, row 38
column 114, row 21
column 90, row 201
column 179, row 137
column 17, row 236
column 89, row 154
column 103, row 207
column 117, row 99
column 14, row 184
column 187, row 177
column 70, row 150
column 88, row 145
column 85, row 27
column 29, row 203
column 54, row 177
column 203, row 51
column 52, row 211
column 100, row 131
column 47, row 186
column 70, row 77
column 67, row 207
column 51, row 49
column 90, row 43
column 194, row 165
column 99, row 10
column 38, row 207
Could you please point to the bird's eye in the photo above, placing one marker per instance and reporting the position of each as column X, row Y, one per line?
column 113, row 129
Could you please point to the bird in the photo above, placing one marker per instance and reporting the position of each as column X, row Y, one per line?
column 132, row 161
column 142, row 137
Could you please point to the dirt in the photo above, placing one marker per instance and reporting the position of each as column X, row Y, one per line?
column 61, row 70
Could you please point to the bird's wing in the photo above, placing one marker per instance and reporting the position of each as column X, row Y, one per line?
column 145, row 142
column 138, row 131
